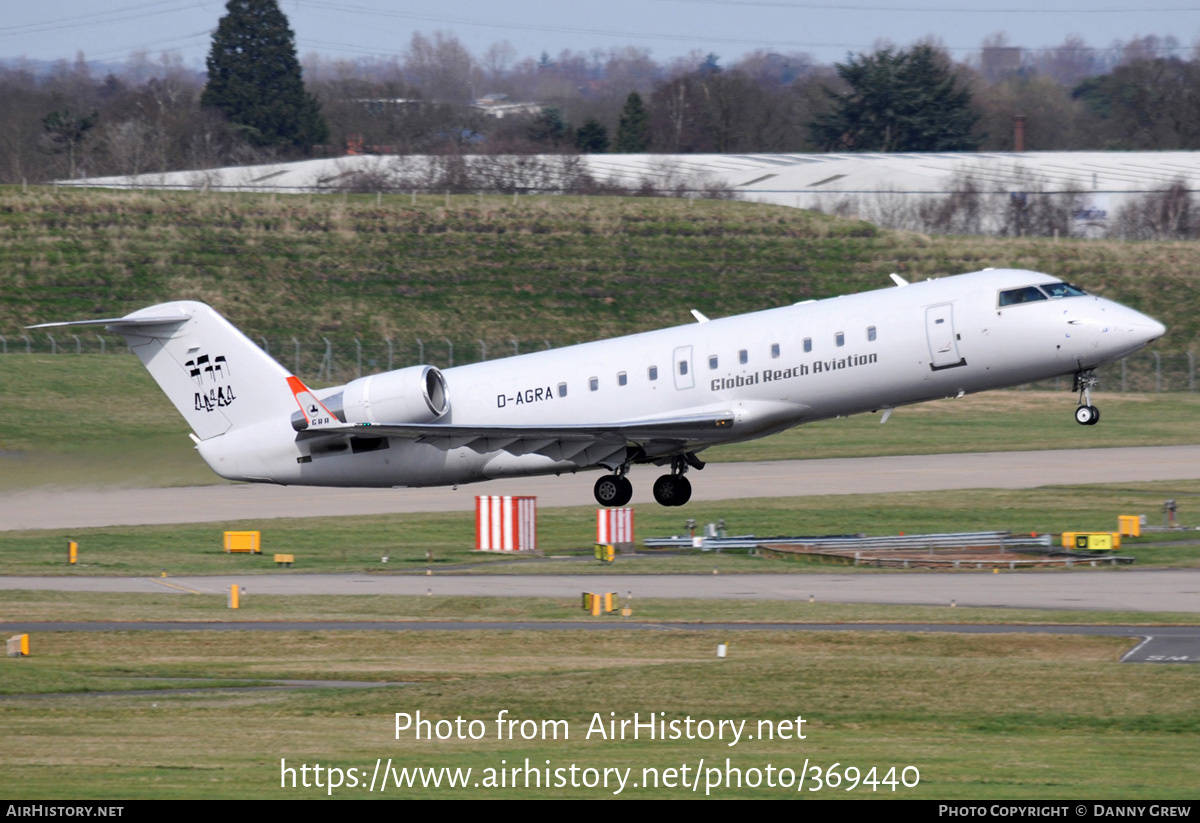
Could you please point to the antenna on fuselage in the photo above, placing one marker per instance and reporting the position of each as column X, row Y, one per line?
column 700, row 318
column 898, row 280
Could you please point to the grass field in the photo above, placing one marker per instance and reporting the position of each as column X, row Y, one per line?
column 53, row 434
column 358, row 544
column 19, row 606
column 980, row 717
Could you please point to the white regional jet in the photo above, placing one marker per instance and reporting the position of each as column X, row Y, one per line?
column 658, row 397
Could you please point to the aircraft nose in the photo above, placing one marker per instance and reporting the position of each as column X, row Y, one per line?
column 1132, row 329
column 1145, row 329
column 1153, row 329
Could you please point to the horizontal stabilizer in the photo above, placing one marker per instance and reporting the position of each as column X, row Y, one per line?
column 117, row 323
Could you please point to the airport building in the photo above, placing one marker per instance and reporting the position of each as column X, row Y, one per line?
column 1083, row 194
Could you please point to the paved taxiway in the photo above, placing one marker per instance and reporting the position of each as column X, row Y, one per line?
column 79, row 508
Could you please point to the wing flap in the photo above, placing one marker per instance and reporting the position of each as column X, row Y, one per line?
column 538, row 437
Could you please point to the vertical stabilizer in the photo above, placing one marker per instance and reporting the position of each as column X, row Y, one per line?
column 215, row 375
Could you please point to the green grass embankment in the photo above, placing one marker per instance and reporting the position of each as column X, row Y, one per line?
column 562, row 269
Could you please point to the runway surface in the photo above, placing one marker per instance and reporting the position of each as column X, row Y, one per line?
column 82, row 508
column 1152, row 590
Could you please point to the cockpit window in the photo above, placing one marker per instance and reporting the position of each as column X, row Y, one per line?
column 1026, row 294
column 1062, row 290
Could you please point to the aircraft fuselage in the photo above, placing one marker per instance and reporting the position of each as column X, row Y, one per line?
column 770, row 370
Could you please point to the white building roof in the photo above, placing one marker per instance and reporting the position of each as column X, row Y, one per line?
column 772, row 178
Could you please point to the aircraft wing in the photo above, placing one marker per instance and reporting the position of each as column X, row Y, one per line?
column 561, row 442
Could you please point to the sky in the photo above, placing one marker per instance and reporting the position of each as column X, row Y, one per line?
column 828, row 30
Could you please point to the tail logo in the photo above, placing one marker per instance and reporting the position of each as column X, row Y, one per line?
column 212, row 378
column 313, row 409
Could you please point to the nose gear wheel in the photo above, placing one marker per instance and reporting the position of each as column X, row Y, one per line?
column 1085, row 413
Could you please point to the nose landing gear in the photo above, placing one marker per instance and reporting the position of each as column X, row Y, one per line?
column 1085, row 413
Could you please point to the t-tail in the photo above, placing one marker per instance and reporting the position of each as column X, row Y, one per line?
column 218, row 379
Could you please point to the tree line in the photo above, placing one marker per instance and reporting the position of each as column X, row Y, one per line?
column 69, row 120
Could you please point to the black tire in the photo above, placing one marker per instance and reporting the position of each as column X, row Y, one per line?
column 626, row 492
column 672, row 490
column 1085, row 415
column 608, row 490
column 685, row 490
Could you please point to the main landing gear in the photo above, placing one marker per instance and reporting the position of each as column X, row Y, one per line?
column 669, row 490
column 672, row 490
column 613, row 489
column 1085, row 413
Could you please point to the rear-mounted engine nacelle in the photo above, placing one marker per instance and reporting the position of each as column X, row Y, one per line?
column 413, row 395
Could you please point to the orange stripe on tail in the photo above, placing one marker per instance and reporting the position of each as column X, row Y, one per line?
column 314, row 410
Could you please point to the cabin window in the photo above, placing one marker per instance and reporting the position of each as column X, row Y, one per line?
column 622, row 378
column 839, row 339
column 871, row 334
column 562, row 389
column 712, row 361
column 683, row 367
column 652, row 372
column 808, row 344
column 743, row 357
column 593, row 383
column 774, row 351
column 1026, row 294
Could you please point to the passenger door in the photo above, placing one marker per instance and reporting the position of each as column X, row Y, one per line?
column 943, row 342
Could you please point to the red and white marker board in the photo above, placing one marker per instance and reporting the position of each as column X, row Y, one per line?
column 614, row 526
column 504, row 523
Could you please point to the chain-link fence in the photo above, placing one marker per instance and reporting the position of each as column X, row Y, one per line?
column 324, row 360
column 1142, row 372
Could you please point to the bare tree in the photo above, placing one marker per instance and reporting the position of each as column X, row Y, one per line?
column 1070, row 62
column 1162, row 215
column 440, row 66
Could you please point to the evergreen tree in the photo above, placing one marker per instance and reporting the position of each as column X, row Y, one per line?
column 549, row 127
column 592, row 138
column 67, row 131
column 254, row 78
column 898, row 101
column 711, row 64
column 633, row 131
